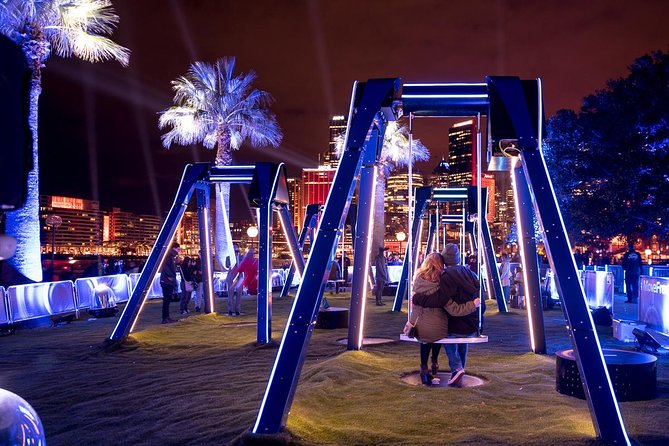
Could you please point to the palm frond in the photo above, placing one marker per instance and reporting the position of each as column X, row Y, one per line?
column 95, row 49
column 73, row 27
column 395, row 151
column 187, row 127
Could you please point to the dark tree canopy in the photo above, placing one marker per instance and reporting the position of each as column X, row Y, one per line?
column 610, row 161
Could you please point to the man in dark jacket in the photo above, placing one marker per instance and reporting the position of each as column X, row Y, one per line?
column 168, row 281
column 460, row 284
column 632, row 266
column 381, row 276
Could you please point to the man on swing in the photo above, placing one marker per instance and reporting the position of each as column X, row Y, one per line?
column 461, row 285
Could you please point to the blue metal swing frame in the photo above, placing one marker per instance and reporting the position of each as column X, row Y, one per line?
column 268, row 191
column 372, row 104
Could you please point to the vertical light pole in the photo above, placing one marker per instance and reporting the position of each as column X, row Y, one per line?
column 53, row 221
column 252, row 233
column 401, row 236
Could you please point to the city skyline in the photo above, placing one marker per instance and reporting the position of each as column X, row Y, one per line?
column 98, row 122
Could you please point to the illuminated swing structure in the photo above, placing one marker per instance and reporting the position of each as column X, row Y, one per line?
column 514, row 111
column 268, row 192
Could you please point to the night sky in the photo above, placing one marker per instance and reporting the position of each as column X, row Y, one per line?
column 98, row 122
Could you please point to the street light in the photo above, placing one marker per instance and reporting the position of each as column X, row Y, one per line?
column 252, row 233
column 648, row 253
column 53, row 221
column 401, row 236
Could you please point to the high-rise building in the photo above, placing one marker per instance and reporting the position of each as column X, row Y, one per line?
column 337, row 128
column 188, row 234
column 294, row 192
column 129, row 233
column 488, row 181
column 81, row 229
column 462, row 154
column 397, row 199
column 316, row 184
column 439, row 177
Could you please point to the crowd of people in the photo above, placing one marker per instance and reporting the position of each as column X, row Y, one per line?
column 241, row 276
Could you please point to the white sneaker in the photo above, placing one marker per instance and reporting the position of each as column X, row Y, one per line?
column 456, row 378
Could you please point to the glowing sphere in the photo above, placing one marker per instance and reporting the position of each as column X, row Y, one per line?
column 19, row 423
column 252, row 231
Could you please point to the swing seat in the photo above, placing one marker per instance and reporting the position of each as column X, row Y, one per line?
column 472, row 340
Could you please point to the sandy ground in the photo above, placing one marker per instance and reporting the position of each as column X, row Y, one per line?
column 201, row 381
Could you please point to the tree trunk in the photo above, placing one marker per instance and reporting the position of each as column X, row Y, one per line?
column 24, row 223
column 379, row 232
column 224, row 254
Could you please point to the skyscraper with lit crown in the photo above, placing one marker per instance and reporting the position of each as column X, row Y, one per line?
column 337, row 128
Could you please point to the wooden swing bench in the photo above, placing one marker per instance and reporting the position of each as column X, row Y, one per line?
column 472, row 340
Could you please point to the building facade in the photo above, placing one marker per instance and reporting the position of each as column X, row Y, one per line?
column 125, row 233
column 80, row 231
column 316, row 184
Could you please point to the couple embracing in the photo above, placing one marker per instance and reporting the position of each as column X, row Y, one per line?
column 445, row 301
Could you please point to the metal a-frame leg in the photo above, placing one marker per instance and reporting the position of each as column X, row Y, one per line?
column 422, row 196
column 592, row 367
column 494, row 280
column 528, row 256
column 309, row 225
column 491, row 267
column 192, row 174
column 362, row 242
column 597, row 385
column 204, row 224
column 294, row 245
column 366, row 103
column 432, row 229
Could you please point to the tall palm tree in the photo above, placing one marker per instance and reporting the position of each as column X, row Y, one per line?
column 69, row 28
column 394, row 154
column 221, row 110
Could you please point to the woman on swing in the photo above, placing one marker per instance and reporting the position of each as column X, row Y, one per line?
column 429, row 315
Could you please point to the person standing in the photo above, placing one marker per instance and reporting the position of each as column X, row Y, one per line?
column 505, row 275
column 197, row 283
column 381, row 276
column 632, row 266
column 187, row 284
column 168, row 281
column 233, row 282
column 460, row 284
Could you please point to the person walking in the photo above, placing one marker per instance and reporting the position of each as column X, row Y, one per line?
column 429, row 314
column 632, row 266
column 381, row 276
column 460, row 284
column 168, row 281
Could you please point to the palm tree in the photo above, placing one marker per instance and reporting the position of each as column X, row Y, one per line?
column 394, row 154
column 220, row 110
column 70, row 28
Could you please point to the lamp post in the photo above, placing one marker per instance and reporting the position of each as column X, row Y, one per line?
column 401, row 236
column 252, row 233
column 53, row 221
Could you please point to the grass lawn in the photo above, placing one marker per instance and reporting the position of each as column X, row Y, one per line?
column 201, row 381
